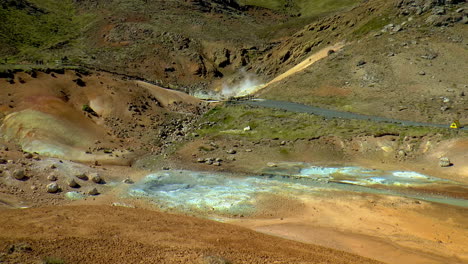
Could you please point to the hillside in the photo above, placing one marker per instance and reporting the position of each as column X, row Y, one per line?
column 160, row 131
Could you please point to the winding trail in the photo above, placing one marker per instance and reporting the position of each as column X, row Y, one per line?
column 327, row 113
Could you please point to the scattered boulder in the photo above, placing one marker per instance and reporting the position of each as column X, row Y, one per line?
column 19, row 174
column 80, row 82
column 52, row 177
column 444, row 162
column 82, row 176
column 201, row 160
column 52, row 187
column 360, row 63
column 272, row 164
column 93, row 191
column 231, row 151
column 128, row 181
column 72, row 183
column 95, row 178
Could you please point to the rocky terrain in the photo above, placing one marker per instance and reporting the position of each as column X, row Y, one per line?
column 100, row 108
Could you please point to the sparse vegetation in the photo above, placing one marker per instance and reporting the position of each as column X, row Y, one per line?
column 266, row 123
column 53, row 260
column 375, row 23
column 39, row 30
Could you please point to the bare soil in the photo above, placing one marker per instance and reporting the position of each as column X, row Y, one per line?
column 104, row 234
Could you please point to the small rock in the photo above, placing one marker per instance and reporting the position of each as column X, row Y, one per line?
column 397, row 28
column 217, row 163
column 72, row 183
column 52, row 177
column 444, row 162
column 272, row 164
column 360, row 63
column 166, row 168
column 95, row 178
column 429, row 56
column 459, row 10
column 3, row 161
column 218, row 159
column 53, row 166
column 52, row 187
column 422, row 73
column 33, row 187
column 283, row 143
column 19, row 174
column 401, row 153
column 247, row 128
column 28, row 155
column 82, row 176
column 438, row 11
column 93, row 191
column 128, row 181
column 201, row 160
column 231, row 151
column 248, row 150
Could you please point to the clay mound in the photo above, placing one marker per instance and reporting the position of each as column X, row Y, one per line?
column 167, row 97
column 137, row 235
column 86, row 117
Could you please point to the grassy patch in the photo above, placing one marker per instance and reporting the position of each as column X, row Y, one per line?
column 53, row 260
column 267, row 123
column 270, row 4
column 318, row 7
column 306, row 8
column 39, row 28
column 373, row 24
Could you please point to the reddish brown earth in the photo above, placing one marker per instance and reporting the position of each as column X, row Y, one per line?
column 104, row 234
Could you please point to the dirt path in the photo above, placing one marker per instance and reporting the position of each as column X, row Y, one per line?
column 245, row 91
column 307, row 62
